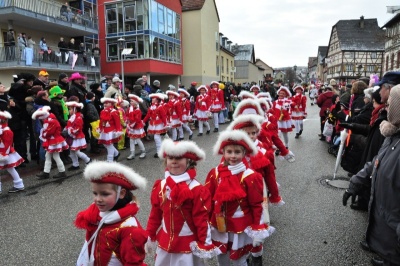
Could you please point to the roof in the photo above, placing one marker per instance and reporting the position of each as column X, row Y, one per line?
column 322, row 50
column 354, row 38
column 243, row 52
column 392, row 21
column 188, row 5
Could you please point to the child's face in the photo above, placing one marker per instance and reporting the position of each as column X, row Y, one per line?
column 154, row 100
column 133, row 103
column 71, row 110
column 233, row 154
column 107, row 104
column 252, row 132
column 177, row 165
column 281, row 94
column 104, row 196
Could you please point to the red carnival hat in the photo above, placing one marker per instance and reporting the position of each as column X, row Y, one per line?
column 298, row 87
column 214, row 82
column 185, row 149
column 114, row 173
column 172, row 93
column 135, row 98
column 255, row 87
column 159, row 96
column 246, row 121
column 202, row 87
column 74, row 104
column 246, row 95
column 75, row 76
column 41, row 113
column 235, row 137
column 184, row 92
column 286, row 90
column 193, row 83
column 265, row 103
column 264, row 95
column 246, row 107
column 5, row 115
column 108, row 100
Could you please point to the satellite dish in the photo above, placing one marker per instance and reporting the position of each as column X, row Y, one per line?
column 393, row 9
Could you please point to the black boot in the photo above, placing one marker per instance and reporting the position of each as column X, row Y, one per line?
column 208, row 132
column 297, row 136
column 60, row 175
column 215, row 129
column 301, row 131
column 256, row 261
column 43, row 175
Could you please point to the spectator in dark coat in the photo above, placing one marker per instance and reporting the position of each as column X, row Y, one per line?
column 91, row 116
column 345, row 94
column 43, row 79
column 95, row 88
column 155, row 87
column 63, row 82
column 357, row 100
column 76, row 88
column 324, row 101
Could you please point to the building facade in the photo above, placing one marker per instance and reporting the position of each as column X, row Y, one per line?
column 47, row 21
column 355, row 49
column 201, row 49
column 141, row 37
column 246, row 69
column 268, row 71
column 320, row 71
column 392, row 44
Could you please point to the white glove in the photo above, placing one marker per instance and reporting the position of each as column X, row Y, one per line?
column 150, row 247
column 290, row 157
column 257, row 242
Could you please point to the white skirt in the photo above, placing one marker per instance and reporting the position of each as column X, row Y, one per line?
column 297, row 115
column 135, row 133
column 108, row 138
column 13, row 160
column 201, row 115
column 175, row 123
column 78, row 144
column 57, row 147
column 177, row 259
column 156, row 129
column 285, row 125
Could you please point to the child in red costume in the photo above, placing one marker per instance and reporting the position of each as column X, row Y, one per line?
column 298, row 106
column 185, row 107
column 9, row 158
column 53, row 142
column 156, row 114
column 113, row 234
column 255, row 89
column 110, row 128
column 180, row 206
column 135, row 126
column 174, row 112
column 281, row 110
column 217, row 103
column 201, row 109
column 237, row 217
column 74, row 129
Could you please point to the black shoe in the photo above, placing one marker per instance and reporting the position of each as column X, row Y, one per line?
column 208, row 132
column 377, row 261
column 15, row 190
column 359, row 205
column 43, row 175
column 297, row 136
column 200, row 134
column 301, row 131
column 156, row 155
column 60, row 175
column 116, row 157
column 256, row 261
column 190, row 136
column 322, row 138
column 215, row 130
column 277, row 152
column 73, row 168
column 364, row 245
column 181, row 139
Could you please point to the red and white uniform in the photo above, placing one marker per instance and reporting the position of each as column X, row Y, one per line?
column 12, row 158
column 180, row 206
column 157, row 119
column 298, row 106
column 237, row 195
column 120, row 240
column 50, row 134
column 185, row 107
column 282, row 111
column 110, row 126
column 174, row 112
column 202, row 105
column 134, row 123
column 217, row 100
column 75, row 130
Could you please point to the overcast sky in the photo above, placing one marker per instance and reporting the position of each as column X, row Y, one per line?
column 287, row 32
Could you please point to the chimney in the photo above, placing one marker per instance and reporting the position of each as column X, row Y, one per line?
column 229, row 45
column 220, row 39
column 224, row 41
column 362, row 22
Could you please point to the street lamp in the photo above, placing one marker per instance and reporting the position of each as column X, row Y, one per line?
column 121, row 43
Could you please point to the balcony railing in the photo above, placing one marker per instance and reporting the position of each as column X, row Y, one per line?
column 52, row 9
column 13, row 56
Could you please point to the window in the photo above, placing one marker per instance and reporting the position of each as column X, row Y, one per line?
column 387, row 62
column 111, row 13
column 160, row 19
column 178, row 27
column 392, row 62
column 170, row 23
column 162, row 49
column 178, row 53
column 371, row 68
column 140, row 46
column 130, row 13
column 227, row 65
column 112, row 51
column 217, row 65
column 398, row 60
column 155, row 48
column 349, row 68
column 374, row 55
column 222, row 64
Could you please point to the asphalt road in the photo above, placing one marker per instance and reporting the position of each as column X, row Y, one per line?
column 313, row 228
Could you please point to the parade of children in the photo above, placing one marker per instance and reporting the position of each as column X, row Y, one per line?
column 201, row 212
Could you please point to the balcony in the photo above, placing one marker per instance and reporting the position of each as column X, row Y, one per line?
column 11, row 57
column 45, row 15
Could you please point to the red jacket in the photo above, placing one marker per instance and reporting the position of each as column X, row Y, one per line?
column 51, row 131
column 202, row 102
column 6, row 141
column 156, row 114
column 134, row 118
column 185, row 107
column 299, row 104
column 110, row 120
column 281, row 109
column 324, row 101
column 75, row 126
column 217, row 97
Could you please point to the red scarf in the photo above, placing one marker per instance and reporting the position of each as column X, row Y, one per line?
column 179, row 192
column 375, row 114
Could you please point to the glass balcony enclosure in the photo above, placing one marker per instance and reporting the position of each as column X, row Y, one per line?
column 152, row 30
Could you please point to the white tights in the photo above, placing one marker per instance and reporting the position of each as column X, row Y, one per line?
column 56, row 157
column 186, row 127
column 76, row 155
column 18, row 183
column 201, row 126
column 111, row 152
column 139, row 143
